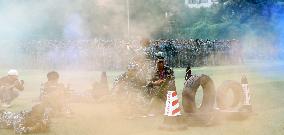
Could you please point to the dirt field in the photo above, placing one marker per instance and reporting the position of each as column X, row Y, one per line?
column 265, row 81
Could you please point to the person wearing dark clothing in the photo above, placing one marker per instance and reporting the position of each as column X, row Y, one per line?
column 188, row 73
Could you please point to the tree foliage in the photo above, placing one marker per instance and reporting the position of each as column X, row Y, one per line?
column 226, row 20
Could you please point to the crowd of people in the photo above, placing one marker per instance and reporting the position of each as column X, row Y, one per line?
column 198, row 52
column 115, row 54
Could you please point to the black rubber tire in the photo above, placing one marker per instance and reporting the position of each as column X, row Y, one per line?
column 189, row 92
column 223, row 90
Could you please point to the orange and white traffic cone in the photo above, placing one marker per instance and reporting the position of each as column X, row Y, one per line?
column 246, row 105
column 172, row 116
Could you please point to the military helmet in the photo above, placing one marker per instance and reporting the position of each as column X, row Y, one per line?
column 160, row 56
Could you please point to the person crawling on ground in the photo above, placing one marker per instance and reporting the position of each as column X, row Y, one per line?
column 24, row 122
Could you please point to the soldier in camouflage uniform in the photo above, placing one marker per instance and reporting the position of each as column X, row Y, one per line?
column 163, row 79
column 9, row 87
column 161, row 82
column 24, row 122
column 53, row 94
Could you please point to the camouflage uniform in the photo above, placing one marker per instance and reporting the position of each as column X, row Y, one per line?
column 165, row 74
column 169, row 85
column 53, row 94
column 24, row 122
column 7, row 89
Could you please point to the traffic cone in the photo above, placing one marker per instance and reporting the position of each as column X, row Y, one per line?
column 172, row 117
column 246, row 105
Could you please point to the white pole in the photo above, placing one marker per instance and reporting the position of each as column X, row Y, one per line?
column 128, row 20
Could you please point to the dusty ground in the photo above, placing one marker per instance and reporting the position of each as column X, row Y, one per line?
column 265, row 81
